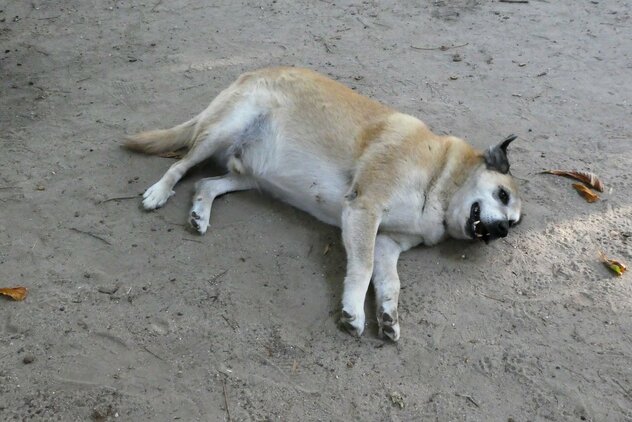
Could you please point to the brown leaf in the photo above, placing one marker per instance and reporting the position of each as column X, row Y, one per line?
column 615, row 266
column 588, row 194
column 15, row 293
column 590, row 179
column 172, row 154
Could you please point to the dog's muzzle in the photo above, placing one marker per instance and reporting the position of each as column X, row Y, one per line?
column 486, row 232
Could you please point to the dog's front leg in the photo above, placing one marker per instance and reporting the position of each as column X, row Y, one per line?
column 359, row 229
column 386, row 285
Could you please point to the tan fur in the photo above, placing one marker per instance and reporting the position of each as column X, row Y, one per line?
column 158, row 141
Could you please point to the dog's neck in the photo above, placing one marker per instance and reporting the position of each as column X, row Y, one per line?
column 460, row 170
column 460, row 163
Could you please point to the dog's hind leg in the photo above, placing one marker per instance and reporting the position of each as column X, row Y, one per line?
column 210, row 188
column 158, row 194
column 386, row 285
column 215, row 128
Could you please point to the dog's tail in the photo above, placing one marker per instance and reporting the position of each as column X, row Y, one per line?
column 165, row 140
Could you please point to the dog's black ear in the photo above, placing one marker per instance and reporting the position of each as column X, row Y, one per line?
column 496, row 156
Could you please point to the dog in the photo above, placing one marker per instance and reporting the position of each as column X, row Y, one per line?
column 381, row 176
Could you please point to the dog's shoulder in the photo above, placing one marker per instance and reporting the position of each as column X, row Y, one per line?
column 399, row 147
column 412, row 173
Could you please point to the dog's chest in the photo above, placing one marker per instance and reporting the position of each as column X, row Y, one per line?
column 415, row 215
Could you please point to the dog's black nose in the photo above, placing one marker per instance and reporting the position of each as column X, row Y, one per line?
column 501, row 228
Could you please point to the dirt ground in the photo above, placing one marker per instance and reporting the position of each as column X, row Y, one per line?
column 132, row 317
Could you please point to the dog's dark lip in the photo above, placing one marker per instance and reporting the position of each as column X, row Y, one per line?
column 475, row 227
column 469, row 224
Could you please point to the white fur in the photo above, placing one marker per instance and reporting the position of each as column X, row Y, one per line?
column 157, row 195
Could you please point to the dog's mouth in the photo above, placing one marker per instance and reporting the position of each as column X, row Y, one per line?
column 475, row 227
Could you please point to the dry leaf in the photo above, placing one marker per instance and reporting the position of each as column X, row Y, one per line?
column 588, row 194
column 590, row 179
column 172, row 154
column 15, row 293
column 615, row 266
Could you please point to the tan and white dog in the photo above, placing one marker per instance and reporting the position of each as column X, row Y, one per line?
column 383, row 177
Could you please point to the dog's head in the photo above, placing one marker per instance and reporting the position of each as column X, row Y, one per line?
column 487, row 205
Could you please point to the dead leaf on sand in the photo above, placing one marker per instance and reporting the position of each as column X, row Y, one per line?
column 588, row 194
column 15, row 293
column 590, row 179
column 615, row 266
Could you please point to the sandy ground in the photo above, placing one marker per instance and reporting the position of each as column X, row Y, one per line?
column 131, row 316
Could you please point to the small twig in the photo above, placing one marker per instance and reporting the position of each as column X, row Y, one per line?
column 118, row 198
column 217, row 276
column 31, row 46
column 226, row 400
column 8, row 187
column 493, row 298
column 91, row 235
column 468, row 398
column 327, row 248
column 192, row 240
column 442, row 48
column 49, row 17
column 513, row 1
column 192, row 86
column 153, row 9
column 152, row 353
column 230, row 324
column 366, row 25
column 625, row 391
column 324, row 43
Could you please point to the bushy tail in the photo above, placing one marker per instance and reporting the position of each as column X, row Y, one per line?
column 159, row 141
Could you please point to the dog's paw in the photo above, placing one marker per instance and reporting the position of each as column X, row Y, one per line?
column 156, row 196
column 352, row 323
column 389, row 324
column 199, row 216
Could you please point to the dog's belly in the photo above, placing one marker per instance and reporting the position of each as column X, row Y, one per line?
column 311, row 198
column 320, row 196
column 305, row 180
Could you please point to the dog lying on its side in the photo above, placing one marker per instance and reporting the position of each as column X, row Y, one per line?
column 383, row 177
